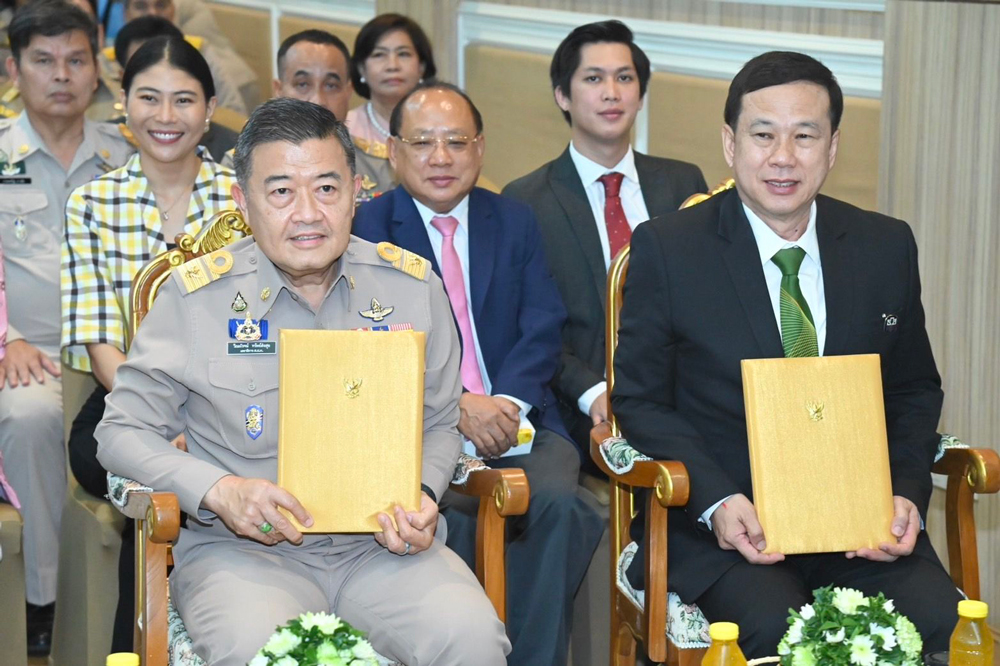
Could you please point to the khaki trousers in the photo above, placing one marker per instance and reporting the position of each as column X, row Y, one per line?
column 419, row 610
column 31, row 440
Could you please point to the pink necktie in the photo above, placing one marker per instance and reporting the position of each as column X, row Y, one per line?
column 619, row 232
column 3, row 308
column 454, row 284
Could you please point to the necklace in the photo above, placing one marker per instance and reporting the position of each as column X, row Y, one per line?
column 164, row 211
column 374, row 120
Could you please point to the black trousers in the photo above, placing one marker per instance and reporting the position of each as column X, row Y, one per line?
column 94, row 479
column 548, row 549
column 758, row 597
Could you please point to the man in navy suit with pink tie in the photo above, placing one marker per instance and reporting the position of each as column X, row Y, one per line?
column 489, row 253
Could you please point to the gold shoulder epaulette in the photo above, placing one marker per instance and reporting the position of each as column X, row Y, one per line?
column 9, row 95
column 203, row 270
column 194, row 41
column 127, row 135
column 7, row 113
column 403, row 260
column 373, row 148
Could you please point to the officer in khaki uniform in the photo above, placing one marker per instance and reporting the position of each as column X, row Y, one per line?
column 45, row 153
column 205, row 363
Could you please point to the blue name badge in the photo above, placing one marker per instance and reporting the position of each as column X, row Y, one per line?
column 258, row 347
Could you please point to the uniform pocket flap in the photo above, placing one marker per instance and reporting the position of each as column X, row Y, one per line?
column 248, row 377
column 23, row 202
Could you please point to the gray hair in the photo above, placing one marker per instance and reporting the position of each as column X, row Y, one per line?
column 290, row 120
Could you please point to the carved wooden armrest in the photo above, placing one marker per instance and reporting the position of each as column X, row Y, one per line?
column 668, row 478
column 979, row 467
column 160, row 510
column 508, row 487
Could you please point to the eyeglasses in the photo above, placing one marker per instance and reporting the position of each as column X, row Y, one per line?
column 425, row 145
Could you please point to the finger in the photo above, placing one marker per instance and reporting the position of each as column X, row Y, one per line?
column 754, row 556
column 12, row 376
column 900, row 520
column 755, row 533
column 509, row 409
column 486, row 444
column 22, row 375
column 407, row 532
column 498, row 437
column 251, row 530
column 393, row 542
column 380, row 538
column 286, row 500
column 281, row 524
column 509, row 428
column 875, row 555
column 53, row 368
column 35, row 368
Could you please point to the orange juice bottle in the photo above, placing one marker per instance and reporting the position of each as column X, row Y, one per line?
column 971, row 642
column 724, row 650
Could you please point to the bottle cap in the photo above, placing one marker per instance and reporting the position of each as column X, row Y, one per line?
column 123, row 659
column 724, row 631
column 975, row 610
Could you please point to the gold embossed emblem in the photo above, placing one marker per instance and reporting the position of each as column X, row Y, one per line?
column 265, row 293
column 388, row 251
column 377, row 312
column 815, row 411
column 352, row 387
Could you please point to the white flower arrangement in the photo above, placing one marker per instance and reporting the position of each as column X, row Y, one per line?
column 844, row 627
column 316, row 639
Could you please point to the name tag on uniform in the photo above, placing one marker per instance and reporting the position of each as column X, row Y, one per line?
column 257, row 347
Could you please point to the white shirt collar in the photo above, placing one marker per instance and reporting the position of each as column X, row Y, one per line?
column 768, row 242
column 590, row 170
column 459, row 212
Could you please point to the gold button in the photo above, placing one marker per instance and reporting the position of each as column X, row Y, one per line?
column 24, row 148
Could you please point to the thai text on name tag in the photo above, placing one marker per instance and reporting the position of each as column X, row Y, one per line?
column 258, row 347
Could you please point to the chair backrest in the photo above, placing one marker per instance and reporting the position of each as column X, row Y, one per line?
column 616, row 286
column 225, row 228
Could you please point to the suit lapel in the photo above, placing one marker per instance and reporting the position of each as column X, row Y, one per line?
column 743, row 262
column 568, row 189
column 483, row 243
column 407, row 229
column 838, row 281
column 656, row 192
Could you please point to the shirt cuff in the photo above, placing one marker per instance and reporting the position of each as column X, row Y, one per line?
column 521, row 404
column 586, row 400
column 706, row 517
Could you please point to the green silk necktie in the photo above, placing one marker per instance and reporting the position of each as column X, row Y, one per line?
column 798, row 331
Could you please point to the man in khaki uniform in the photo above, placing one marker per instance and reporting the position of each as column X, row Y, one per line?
column 204, row 363
column 104, row 104
column 315, row 66
column 45, row 153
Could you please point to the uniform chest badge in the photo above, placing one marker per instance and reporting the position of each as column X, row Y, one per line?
column 239, row 304
column 377, row 312
column 254, row 421
column 247, row 329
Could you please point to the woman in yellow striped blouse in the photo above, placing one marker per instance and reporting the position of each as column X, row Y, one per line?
column 118, row 222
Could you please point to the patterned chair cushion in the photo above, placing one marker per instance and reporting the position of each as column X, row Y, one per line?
column 180, row 649
column 687, row 627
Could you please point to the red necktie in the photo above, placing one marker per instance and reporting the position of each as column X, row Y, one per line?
column 619, row 233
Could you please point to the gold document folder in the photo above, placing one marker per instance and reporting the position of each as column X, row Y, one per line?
column 819, row 456
column 350, row 427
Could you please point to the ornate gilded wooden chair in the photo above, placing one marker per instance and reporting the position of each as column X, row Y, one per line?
column 160, row 637
column 676, row 633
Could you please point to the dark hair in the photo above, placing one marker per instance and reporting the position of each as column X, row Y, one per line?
column 178, row 53
column 369, row 37
column 312, row 37
column 776, row 68
column 143, row 29
column 49, row 18
column 290, row 120
column 396, row 119
column 566, row 59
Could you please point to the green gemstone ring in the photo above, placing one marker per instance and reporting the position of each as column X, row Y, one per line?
column 265, row 527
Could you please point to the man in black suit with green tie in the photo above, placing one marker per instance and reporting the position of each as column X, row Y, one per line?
column 773, row 269
column 589, row 199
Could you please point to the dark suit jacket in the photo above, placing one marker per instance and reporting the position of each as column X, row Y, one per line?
column 573, row 248
column 696, row 303
column 515, row 303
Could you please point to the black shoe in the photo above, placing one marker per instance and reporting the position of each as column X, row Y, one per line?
column 39, row 621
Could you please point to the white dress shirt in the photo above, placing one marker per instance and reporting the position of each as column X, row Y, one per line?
column 461, row 242
column 635, row 212
column 810, row 282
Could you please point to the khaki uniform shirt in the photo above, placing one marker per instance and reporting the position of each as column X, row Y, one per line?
column 179, row 375
column 34, row 188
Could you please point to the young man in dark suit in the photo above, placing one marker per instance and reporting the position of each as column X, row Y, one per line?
column 771, row 269
column 590, row 198
column 488, row 251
